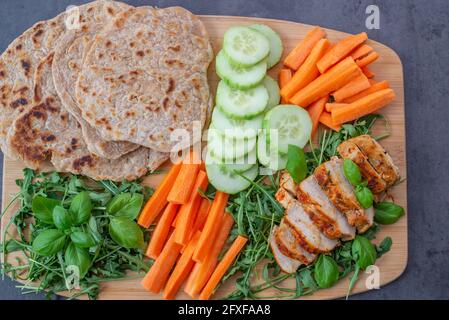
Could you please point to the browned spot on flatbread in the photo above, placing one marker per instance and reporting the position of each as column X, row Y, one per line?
column 19, row 102
column 19, row 47
column 165, row 103
column 26, row 66
column 108, row 43
column 48, row 137
column 176, row 48
column 37, row 35
column 178, row 104
column 171, row 86
column 140, row 53
column 79, row 163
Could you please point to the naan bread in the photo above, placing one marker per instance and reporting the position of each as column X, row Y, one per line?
column 146, row 76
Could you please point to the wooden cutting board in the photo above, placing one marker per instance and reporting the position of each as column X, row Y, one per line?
column 388, row 67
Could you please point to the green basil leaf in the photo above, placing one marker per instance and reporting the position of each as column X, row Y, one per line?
column 81, row 208
column 93, row 229
column 296, row 163
column 77, row 257
column 61, row 218
column 352, row 172
column 125, row 205
column 43, row 208
column 326, row 271
column 384, row 246
column 364, row 252
column 82, row 239
column 49, row 242
column 388, row 212
column 126, row 232
column 364, row 196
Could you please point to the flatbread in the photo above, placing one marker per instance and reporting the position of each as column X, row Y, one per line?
column 146, row 76
column 68, row 60
column 48, row 131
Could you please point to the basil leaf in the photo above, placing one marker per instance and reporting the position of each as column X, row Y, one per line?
column 77, row 257
column 61, row 218
column 363, row 252
column 388, row 212
column 43, row 208
column 296, row 163
column 364, row 196
column 352, row 172
column 49, row 242
column 126, row 232
column 93, row 228
column 125, row 205
column 326, row 271
column 82, row 239
column 81, row 208
column 384, row 246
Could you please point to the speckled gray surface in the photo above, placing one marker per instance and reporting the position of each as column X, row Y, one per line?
column 418, row 31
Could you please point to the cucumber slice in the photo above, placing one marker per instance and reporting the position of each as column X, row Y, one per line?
column 244, row 46
column 239, row 104
column 234, row 128
column 238, row 165
column 276, row 47
column 228, row 149
column 292, row 125
column 273, row 91
column 228, row 181
column 239, row 77
column 269, row 157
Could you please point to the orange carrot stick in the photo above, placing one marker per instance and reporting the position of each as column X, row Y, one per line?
column 353, row 87
column 361, row 51
column 211, row 227
column 375, row 86
column 367, row 72
column 297, row 56
column 203, row 211
column 307, row 72
column 330, row 106
column 326, row 119
column 182, row 188
column 160, row 233
column 340, row 51
column 202, row 271
column 328, row 82
column 156, row 278
column 364, row 106
column 373, row 56
column 182, row 269
column 159, row 199
column 188, row 211
column 315, row 110
column 285, row 75
column 222, row 267
column 175, row 221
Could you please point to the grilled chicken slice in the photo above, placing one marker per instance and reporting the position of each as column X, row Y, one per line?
column 322, row 212
column 289, row 246
column 307, row 234
column 349, row 150
column 286, row 182
column 286, row 263
column 330, row 176
column 284, row 197
column 378, row 158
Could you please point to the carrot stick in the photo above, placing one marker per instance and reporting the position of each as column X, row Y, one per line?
column 188, row 211
column 326, row 119
column 367, row 72
column 175, row 221
column 211, row 227
column 159, row 199
column 160, row 233
column 156, row 278
column 330, row 106
column 315, row 110
column 373, row 56
column 307, row 72
column 353, row 87
column 222, row 267
column 340, row 51
column 201, row 217
column 375, row 86
column 285, row 75
column 363, row 106
column 182, row 269
column 182, row 188
column 328, row 82
column 297, row 56
column 361, row 51
column 202, row 271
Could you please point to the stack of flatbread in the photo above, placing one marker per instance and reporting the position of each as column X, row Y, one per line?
column 100, row 89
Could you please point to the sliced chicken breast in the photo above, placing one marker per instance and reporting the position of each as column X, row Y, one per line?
column 286, row 263
column 378, row 158
column 289, row 246
column 284, row 197
column 322, row 212
column 286, row 182
column 349, row 150
column 330, row 176
column 307, row 234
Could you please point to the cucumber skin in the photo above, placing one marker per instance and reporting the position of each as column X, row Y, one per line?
column 277, row 96
column 274, row 34
column 246, row 117
column 227, row 188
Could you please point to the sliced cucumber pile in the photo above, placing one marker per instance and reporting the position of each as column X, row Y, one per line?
column 273, row 92
column 269, row 156
column 230, row 181
column 236, row 128
column 275, row 41
column 226, row 148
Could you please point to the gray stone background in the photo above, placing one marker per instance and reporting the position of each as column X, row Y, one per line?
column 419, row 32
